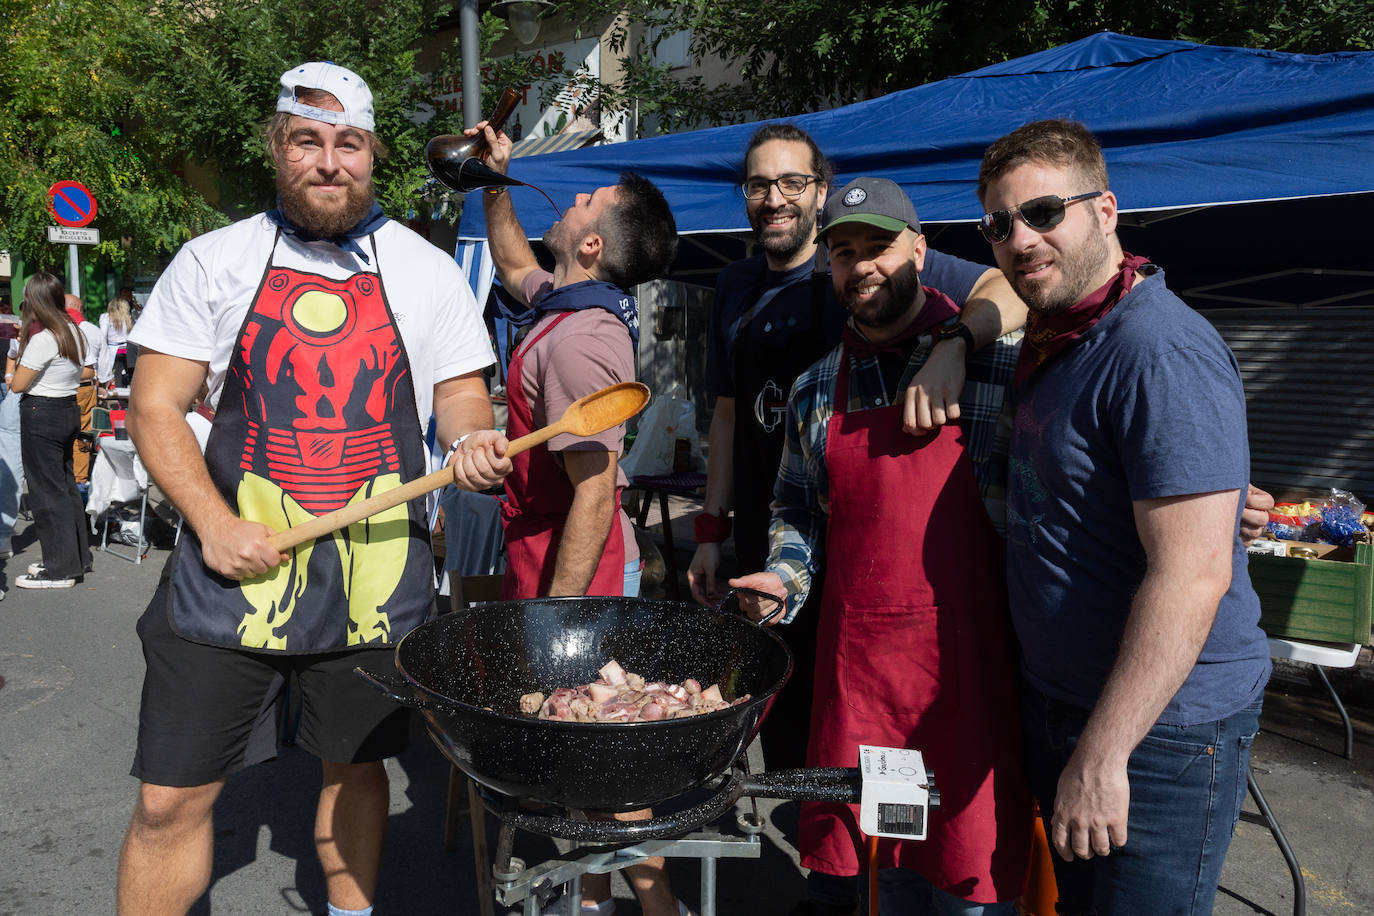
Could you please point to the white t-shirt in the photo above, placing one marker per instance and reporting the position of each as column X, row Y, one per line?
column 198, row 307
column 58, row 377
column 95, row 342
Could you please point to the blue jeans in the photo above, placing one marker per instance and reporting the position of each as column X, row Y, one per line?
column 11, row 466
column 1187, row 784
column 633, row 573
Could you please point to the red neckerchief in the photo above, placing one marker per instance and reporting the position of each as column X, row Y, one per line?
column 938, row 309
column 1049, row 335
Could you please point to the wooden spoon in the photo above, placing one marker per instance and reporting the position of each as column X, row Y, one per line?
column 584, row 417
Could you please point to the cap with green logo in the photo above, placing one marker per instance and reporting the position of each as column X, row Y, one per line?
column 874, row 201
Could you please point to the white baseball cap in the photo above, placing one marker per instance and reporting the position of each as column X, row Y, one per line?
column 340, row 82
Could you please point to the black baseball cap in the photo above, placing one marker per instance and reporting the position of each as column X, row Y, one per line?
column 875, row 201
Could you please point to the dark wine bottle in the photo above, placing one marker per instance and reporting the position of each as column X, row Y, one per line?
column 456, row 160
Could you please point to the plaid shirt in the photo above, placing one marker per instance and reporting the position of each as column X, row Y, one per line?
column 801, row 497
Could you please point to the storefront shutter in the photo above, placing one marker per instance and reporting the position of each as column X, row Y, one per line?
column 1309, row 395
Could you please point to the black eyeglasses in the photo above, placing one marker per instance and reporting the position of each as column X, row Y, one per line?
column 788, row 186
column 1040, row 213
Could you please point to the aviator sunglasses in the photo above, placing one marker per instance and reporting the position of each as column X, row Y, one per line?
column 1040, row 213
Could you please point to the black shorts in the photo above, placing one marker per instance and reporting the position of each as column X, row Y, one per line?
column 209, row 711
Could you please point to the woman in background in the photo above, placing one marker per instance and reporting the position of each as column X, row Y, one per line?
column 11, row 458
column 115, row 325
column 51, row 353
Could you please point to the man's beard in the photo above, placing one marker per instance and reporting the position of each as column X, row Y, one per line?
column 1079, row 268
column 325, row 222
column 782, row 245
column 552, row 239
column 891, row 301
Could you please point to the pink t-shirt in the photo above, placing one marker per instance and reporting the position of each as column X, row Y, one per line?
column 588, row 351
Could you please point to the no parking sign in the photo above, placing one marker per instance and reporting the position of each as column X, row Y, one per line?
column 71, row 203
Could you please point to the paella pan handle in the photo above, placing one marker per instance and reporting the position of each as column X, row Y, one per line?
column 839, row 785
column 720, row 605
column 394, row 687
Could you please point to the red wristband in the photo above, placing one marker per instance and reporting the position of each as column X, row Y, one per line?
column 712, row 529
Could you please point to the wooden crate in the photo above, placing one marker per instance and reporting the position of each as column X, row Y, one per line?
column 1324, row 600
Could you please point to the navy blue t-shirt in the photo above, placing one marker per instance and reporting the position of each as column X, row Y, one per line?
column 785, row 313
column 1149, row 404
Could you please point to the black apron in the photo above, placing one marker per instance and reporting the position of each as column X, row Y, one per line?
column 317, row 411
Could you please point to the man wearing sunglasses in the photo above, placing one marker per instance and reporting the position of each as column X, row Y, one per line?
column 1143, row 668
column 913, row 608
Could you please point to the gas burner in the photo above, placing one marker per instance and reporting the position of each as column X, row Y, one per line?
column 682, row 833
column 828, row 784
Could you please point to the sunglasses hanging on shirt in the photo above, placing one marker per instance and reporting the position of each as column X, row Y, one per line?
column 1040, row 213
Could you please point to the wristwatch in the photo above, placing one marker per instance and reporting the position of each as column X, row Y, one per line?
column 960, row 330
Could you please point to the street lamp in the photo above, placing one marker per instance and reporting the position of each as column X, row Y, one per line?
column 523, row 16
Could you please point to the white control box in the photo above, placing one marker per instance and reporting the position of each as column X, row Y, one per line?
column 895, row 800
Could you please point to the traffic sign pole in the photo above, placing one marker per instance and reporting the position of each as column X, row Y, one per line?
column 72, row 204
column 73, row 270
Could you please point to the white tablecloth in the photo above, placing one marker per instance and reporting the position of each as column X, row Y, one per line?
column 117, row 475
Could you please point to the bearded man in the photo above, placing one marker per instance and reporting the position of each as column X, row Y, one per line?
column 913, row 610
column 327, row 335
column 1142, row 663
column 566, row 533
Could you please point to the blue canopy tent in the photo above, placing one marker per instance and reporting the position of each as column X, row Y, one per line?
column 1185, row 128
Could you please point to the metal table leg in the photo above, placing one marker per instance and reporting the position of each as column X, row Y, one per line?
column 1268, row 820
column 708, row 886
column 669, row 555
column 1340, row 708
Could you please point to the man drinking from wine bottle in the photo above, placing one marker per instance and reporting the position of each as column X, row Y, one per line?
column 566, row 533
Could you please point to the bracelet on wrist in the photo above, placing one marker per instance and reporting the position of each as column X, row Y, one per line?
column 448, row 456
column 711, row 529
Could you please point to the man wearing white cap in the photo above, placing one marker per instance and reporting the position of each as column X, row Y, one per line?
column 326, row 335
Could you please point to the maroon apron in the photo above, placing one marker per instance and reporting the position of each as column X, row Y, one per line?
column 538, row 498
column 915, row 651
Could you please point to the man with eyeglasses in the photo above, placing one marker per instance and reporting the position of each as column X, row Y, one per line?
column 774, row 315
column 1143, row 667
column 914, row 605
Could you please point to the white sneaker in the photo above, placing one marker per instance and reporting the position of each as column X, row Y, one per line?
column 42, row 580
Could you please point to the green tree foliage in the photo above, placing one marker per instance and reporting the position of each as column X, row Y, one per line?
column 188, row 85
column 802, row 55
column 65, row 82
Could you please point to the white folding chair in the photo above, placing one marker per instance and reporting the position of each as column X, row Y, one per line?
column 118, row 479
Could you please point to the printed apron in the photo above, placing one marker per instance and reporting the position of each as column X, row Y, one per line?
column 916, row 652
column 538, row 498
column 317, row 412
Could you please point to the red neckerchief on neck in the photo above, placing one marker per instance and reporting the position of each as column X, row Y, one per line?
column 1049, row 335
column 938, row 309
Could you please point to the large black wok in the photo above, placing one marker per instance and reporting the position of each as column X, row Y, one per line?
column 466, row 672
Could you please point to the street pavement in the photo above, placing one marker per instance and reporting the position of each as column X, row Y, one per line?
column 73, row 670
